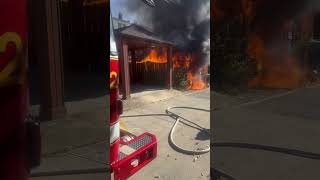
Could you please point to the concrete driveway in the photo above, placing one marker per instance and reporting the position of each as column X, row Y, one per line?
column 170, row 164
column 75, row 143
column 79, row 142
column 288, row 121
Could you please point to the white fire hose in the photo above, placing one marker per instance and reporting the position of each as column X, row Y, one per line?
column 178, row 118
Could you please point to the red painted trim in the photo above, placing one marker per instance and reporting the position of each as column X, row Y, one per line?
column 124, row 168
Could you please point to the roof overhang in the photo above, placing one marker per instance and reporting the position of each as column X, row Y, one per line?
column 140, row 35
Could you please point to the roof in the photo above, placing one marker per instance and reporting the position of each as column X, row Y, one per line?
column 137, row 31
column 120, row 20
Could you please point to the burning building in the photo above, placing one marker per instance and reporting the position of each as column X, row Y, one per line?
column 278, row 34
column 184, row 23
column 145, row 58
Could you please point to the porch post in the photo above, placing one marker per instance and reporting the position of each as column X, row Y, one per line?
column 49, row 53
column 124, row 69
column 170, row 69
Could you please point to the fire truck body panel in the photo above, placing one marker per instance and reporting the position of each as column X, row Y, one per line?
column 13, row 91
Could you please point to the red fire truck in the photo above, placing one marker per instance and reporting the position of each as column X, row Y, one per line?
column 19, row 148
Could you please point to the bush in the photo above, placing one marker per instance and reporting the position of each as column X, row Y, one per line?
column 180, row 79
column 238, row 72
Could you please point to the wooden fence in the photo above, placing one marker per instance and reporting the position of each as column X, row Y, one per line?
column 148, row 73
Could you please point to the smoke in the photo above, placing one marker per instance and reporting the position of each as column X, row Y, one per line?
column 269, row 18
column 185, row 22
column 277, row 32
column 269, row 14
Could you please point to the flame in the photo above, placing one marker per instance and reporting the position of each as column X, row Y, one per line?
column 196, row 82
column 274, row 70
column 154, row 57
column 277, row 67
column 182, row 60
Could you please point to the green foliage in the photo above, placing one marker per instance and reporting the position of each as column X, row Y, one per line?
column 180, row 80
column 231, row 64
column 236, row 71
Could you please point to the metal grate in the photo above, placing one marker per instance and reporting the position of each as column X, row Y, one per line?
column 136, row 145
column 141, row 142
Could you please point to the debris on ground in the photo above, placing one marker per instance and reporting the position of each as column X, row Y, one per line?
column 195, row 159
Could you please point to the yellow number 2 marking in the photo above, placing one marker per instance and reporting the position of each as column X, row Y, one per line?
column 6, row 74
column 113, row 80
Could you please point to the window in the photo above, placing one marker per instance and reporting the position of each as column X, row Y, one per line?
column 113, row 48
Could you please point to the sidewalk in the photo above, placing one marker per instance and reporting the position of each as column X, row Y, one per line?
column 172, row 165
column 79, row 141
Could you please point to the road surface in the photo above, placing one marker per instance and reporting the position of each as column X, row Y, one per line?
column 170, row 164
column 290, row 121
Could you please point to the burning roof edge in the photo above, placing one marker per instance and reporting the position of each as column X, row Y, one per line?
column 141, row 32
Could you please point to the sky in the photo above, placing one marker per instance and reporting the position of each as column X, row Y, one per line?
column 120, row 6
column 137, row 17
column 116, row 7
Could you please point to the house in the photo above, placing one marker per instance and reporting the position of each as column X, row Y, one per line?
column 119, row 22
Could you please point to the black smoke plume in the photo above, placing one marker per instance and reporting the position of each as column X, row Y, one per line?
column 185, row 22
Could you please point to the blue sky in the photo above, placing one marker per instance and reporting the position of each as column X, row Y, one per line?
column 119, row 6
column 139, row 14
column 115, row 6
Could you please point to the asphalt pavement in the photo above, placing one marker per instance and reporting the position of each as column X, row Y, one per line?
column 290, row 120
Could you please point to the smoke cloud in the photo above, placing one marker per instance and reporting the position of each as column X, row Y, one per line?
column 184, row 22
column 270, row 15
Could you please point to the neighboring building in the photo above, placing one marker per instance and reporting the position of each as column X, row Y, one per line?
column 119, row 22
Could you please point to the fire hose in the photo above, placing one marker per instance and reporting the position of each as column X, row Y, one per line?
column 217, row 174
column 178, row 118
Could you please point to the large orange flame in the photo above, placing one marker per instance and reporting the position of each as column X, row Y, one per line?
column 181, row 60
column 154, row 57
column 274, row 70
column 196, row 82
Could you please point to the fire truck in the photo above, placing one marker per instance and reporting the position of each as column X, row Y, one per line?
column 19, row 134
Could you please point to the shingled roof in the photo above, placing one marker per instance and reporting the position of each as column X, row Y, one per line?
column 137, row 31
